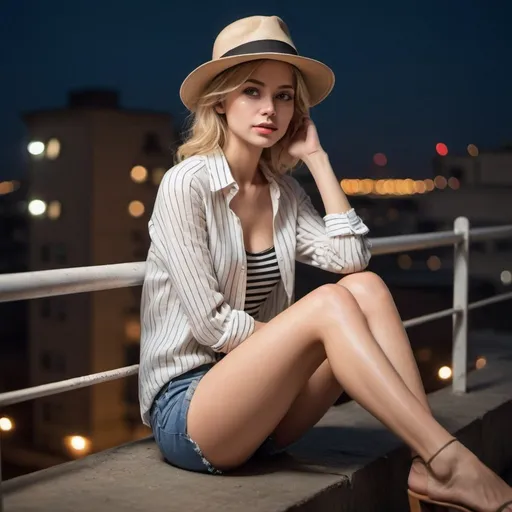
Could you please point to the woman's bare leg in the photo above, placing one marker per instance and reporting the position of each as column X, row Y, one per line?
column 242, row 398
column 322, row 389
column 378, row 306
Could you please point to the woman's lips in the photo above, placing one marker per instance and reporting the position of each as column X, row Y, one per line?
column 264, row 130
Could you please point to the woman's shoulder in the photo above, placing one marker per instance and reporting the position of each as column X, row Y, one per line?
column 190, row 169
column 291, row 185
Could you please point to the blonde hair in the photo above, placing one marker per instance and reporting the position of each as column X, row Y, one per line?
column 208, row 129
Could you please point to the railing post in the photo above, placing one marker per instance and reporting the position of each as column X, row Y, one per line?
column 460, row 301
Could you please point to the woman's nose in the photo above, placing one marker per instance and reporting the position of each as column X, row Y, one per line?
column 269, row 108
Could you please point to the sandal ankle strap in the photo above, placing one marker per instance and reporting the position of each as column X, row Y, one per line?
column 429, row 461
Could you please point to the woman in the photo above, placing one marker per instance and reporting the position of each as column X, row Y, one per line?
column 230, row 365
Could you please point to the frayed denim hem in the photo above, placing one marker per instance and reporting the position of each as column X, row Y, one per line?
column 209, row 467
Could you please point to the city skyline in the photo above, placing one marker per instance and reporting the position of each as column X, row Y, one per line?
column 408, row 76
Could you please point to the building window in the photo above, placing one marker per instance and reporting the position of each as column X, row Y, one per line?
column 457, row 172
column 61, row 310
column 52, row 412
column 46, row 308
column 151, row 143
column 157, row 175
column 54, row 210
column 52, row 362
column 45, row 253
column 53, row 149
column 60, row 253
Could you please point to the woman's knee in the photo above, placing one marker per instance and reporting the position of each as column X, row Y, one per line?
column 366, row 287
column 331, row 298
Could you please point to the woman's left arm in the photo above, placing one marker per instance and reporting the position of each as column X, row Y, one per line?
column 337, row 242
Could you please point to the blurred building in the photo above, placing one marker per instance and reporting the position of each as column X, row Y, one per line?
column 13, row 315
column 483, row 194
column 94, row 171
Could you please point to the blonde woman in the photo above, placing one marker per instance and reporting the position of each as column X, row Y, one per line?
column 230, row 364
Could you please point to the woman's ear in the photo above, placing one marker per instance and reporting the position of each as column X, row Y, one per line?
column 219, row 108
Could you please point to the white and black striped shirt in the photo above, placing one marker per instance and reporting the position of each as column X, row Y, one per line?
column 195, row 286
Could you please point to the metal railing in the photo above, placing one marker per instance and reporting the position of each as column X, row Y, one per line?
column 47, row 283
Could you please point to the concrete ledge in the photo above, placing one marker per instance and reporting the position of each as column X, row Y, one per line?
column 349, row 462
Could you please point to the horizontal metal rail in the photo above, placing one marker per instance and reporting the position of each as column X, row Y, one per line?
column 416, row 242
column 490, row 300
column 23, row 395
column 54, row 388
column 431, row 317
column 31, row 285
column 48, row 283
column 489, row 233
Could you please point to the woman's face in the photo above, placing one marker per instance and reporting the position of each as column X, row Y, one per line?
column 260, row 110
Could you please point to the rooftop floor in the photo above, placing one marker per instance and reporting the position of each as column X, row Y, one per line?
column 349, row 461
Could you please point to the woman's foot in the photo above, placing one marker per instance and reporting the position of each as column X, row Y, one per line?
column 418, row 476
column 458, row 476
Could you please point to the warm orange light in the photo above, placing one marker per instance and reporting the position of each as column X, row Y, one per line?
column 440, row 182
column 404, row 261
column 480, row 363
column 420, row 187
column 139, row 174
column 445, row 372
column 472, row 150
column 429, row 184
column 136, row 209
column 6, row 187
column 434, row 263
column 454, row 183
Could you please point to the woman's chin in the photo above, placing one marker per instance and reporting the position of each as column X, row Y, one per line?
column 262, row 142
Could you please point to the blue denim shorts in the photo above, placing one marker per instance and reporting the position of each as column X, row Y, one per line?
column 169, row 424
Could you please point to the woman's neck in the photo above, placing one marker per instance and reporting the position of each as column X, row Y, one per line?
column 243, row 160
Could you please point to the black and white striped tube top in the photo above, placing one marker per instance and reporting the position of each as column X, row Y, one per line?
column 262, row 275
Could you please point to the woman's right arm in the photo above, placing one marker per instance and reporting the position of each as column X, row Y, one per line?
column 179, row 240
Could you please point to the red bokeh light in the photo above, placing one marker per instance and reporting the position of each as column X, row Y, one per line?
column 442, row 149
column 380, row 159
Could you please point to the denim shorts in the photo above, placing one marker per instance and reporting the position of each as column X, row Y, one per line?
column 168, row 420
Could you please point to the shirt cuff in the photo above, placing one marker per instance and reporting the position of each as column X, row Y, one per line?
column 348, row 223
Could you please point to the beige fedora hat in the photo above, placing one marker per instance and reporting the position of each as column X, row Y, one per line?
column 253, row 38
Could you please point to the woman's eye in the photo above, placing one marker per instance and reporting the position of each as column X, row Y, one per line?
column 251, row 91
column 286, row 96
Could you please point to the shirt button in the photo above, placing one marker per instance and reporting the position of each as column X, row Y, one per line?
column 243, row 268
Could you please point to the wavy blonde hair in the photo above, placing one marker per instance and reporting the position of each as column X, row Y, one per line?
column 208, row 130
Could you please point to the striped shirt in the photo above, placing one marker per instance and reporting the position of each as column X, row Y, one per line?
column 262, row 276
column 194, row 290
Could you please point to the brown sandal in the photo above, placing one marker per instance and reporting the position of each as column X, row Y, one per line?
column 416, row 499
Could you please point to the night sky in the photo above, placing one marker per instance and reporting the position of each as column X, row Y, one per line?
column 409, row 74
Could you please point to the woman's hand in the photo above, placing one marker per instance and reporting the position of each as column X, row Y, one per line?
column 305, row 142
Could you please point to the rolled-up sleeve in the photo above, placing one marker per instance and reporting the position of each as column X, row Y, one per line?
column 337, row 243
column 179, row 239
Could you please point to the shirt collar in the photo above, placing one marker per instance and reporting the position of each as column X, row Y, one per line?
column 220, row 173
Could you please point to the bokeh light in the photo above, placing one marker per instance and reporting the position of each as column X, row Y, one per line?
column 6, row 424
column 441, row 149
column 472, row 150
column 445, row 372
column 506, row 277
column 36, row 207
column 139, row 174
column 36, row 147
column 380, row 159
column 136, row 209
column 53, row 149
